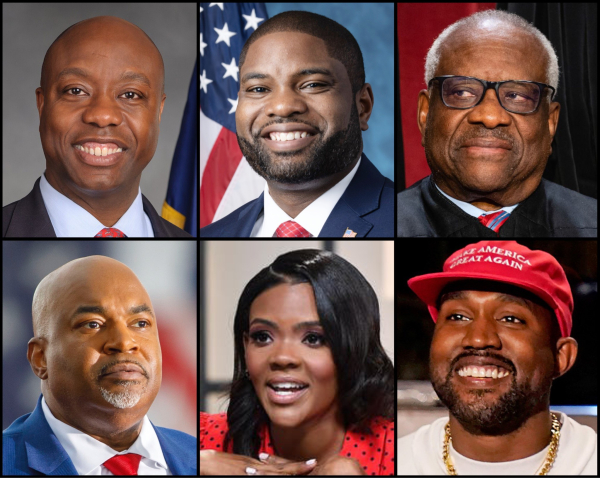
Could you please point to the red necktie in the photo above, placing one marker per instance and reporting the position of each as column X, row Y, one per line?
column 110, row 232
column 124, row 464
column 495, row 220
column 291, row 229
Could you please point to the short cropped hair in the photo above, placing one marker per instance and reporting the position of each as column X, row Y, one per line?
column 339, row 42
column 472, row 22
column 349, row 314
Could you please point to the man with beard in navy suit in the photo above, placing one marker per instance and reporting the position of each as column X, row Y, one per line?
column 302, row 105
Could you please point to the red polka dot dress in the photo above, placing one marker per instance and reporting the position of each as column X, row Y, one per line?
column 375, row 452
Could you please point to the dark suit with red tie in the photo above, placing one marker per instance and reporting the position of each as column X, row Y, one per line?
column 28, row 217
column 366, row 208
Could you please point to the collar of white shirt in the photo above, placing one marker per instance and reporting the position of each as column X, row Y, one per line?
column 88, row 454
column 71, row 220
column 312, row 218
column 472, row 210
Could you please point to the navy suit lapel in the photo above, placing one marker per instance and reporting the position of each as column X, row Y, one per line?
column 242, row 227
column 157, row 226
column 343, row 217
column 174, row 456
column 44, row 452
column 361, row 197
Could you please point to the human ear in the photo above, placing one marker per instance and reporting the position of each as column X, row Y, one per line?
column 39, row 99
column 566, row 353
column 553, row 114
column 36, row 354
column 422, row 112
column 162, row 105
column 364, row 105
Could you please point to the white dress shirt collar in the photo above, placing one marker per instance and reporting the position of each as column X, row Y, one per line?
column 472, row 210
column 312, row 218
column 71, row 220
column 88, row 454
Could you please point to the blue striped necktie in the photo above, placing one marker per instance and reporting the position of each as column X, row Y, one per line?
column 494, row 220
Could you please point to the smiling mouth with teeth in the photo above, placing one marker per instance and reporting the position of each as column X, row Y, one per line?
column 288, row 136
column 486, row 371
column 98, row 151
column 284, row 389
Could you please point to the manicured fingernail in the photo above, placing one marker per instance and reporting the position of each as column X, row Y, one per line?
column 311, row 461
column 263, row 456
column 250, row 470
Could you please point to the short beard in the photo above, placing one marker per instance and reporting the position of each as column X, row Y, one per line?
column 126, row 399
column 325, row 157
column 508, row 413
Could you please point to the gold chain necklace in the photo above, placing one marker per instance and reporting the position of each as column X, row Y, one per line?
column 550, row 456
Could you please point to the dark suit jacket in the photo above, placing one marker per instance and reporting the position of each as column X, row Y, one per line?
column 28, row 217
column 30, row 447
column 551, row 211
column 366, row 207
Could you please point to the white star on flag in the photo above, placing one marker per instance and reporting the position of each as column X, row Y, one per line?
column 233, row 105
column 231, row 70
column 204, row 81
column 220, row 5
column 225, row 35
column 202, row 45
column 252, row 20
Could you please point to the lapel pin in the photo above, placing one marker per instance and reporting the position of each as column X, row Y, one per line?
column 349, row 233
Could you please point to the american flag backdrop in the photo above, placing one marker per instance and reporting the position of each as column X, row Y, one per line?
column 226, row 180
column 168, row 272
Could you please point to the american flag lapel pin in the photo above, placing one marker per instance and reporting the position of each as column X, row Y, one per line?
column 349, row 233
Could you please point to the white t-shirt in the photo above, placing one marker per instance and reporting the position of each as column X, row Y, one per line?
column 420, row 453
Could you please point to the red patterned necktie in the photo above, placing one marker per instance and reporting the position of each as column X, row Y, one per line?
column 495, row 220
column 291, row 229
column 110, row 232
column 126, row 465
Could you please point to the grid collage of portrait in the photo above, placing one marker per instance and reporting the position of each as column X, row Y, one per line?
column 303, row 239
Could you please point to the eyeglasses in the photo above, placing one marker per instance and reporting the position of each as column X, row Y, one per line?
column 463, row 92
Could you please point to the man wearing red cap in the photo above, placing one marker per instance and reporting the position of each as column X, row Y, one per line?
column 503, row 317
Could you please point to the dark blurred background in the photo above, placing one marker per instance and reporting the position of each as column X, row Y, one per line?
column 414, row 327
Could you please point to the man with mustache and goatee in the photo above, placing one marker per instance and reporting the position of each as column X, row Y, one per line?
column 503, row 318
column 487, row 121
column 96, row 350
column 302, row 106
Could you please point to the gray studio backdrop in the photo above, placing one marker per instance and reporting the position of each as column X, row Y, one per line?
column 28, row 29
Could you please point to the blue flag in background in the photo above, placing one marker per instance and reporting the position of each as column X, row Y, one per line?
column 181, row 205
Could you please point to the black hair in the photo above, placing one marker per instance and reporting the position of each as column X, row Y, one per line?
column 349, row 313
column 340, row 43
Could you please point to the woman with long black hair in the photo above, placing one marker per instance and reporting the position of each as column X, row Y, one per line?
column 313, row 389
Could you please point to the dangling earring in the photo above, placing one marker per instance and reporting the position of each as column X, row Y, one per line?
column 246, row 374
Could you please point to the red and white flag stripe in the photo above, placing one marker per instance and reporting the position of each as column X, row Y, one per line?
column 226, row 180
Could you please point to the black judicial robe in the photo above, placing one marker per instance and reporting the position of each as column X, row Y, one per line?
column 551, row 211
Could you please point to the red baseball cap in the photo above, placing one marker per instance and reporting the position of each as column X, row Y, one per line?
column 508, row 262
